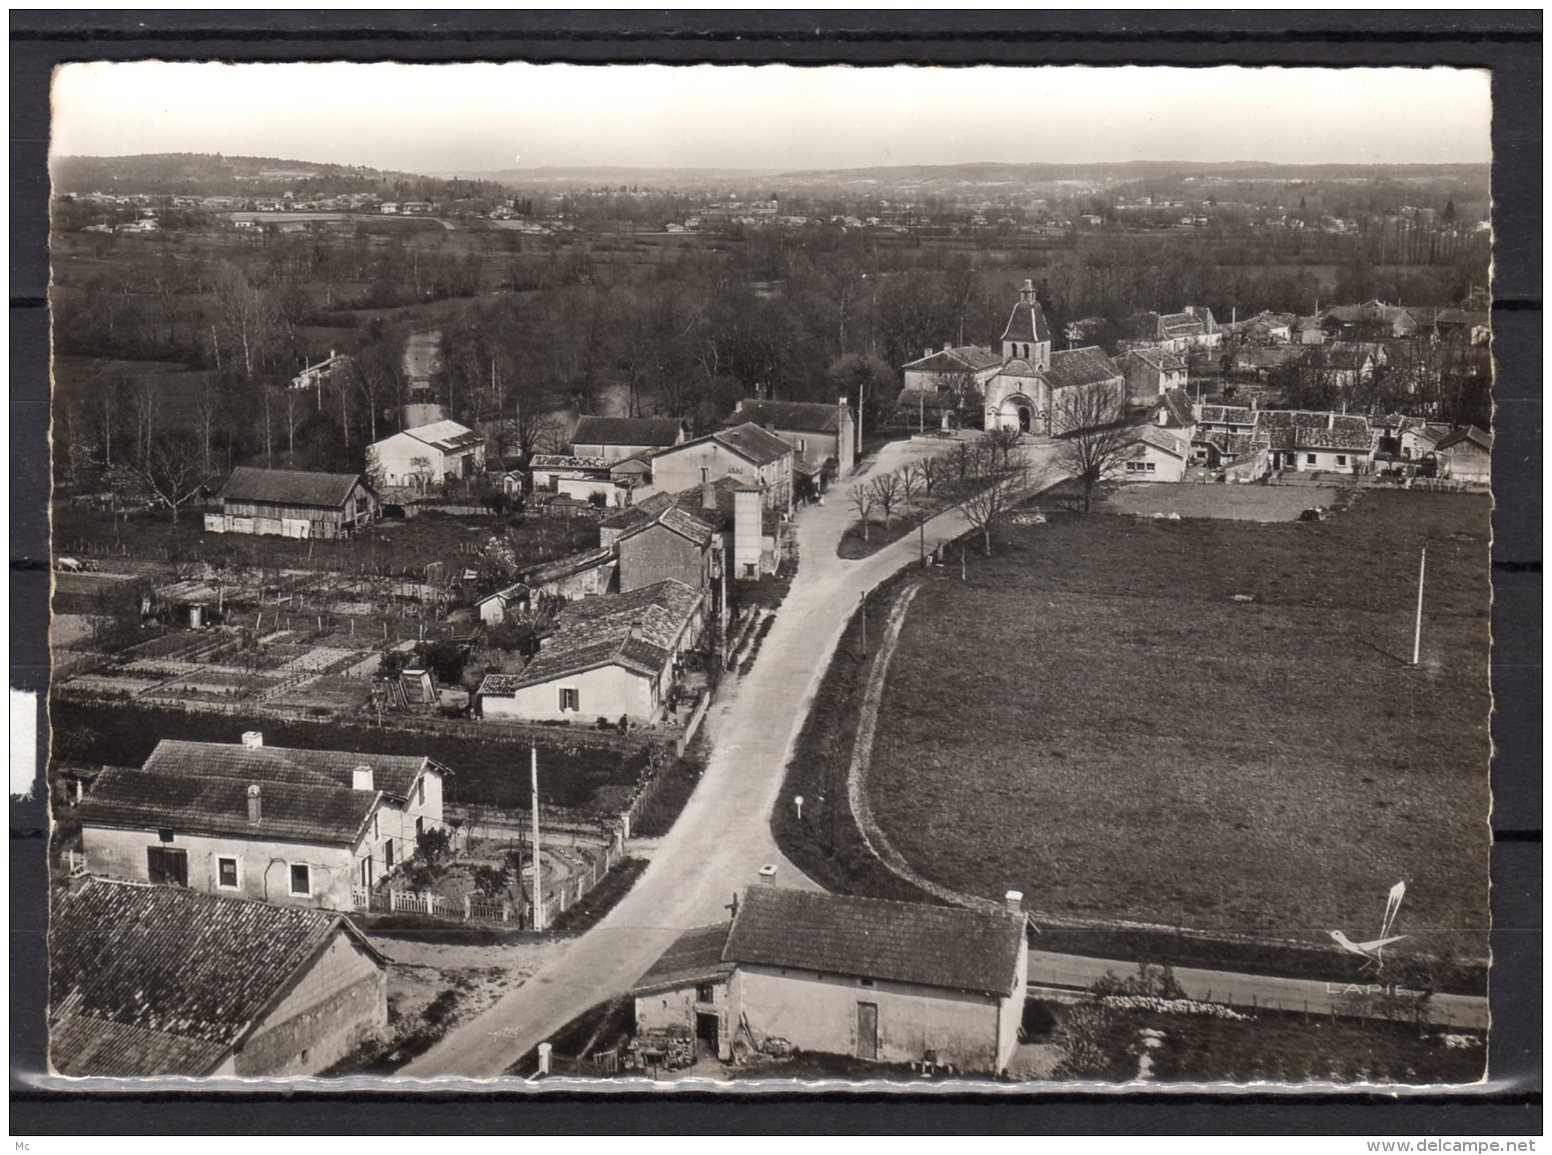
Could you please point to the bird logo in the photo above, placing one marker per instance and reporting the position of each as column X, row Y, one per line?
column 1373, row 951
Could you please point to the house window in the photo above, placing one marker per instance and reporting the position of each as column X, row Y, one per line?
column 388, row 855
column 703, row 992
column 802, row 445
column 1341, row 459
column 167, row 866
column 865, row 982
column 705, row 473
column 226, row 873
column 1149, row 467
column 420, row 827
column 570, row 698
column 1309, row 459
column 374, row 825
column 420, row 793
column 749, row 569
column 301, row 879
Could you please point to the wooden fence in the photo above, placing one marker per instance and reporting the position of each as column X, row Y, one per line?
column 395, row 901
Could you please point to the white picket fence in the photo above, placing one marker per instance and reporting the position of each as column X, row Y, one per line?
column 395, row 901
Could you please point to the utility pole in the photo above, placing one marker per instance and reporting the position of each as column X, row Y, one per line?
column 922, row 526
column 1417, row 633
column 538, row 894
column 863, row 599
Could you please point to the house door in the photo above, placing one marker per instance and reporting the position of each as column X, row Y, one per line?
column 167, row 866
column 867, row 1030
column 707, row 1029
column 366, row 872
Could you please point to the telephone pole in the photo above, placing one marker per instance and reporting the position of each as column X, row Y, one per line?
column 1417, row 633
column 538, row 893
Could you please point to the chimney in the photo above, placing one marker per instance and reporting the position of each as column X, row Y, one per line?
column 946, row 346
column 255, row 806
column 708, row 497
column 361, row 778
column 253, row 739
column 927, row 352
column 1014, row 901
column 768, row 875
column 635, row 632
column 1255, row 402
column 1331, row 420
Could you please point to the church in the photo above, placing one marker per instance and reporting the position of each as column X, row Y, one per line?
column 1027, row 392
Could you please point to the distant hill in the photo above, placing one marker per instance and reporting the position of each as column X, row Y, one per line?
column 216, row 175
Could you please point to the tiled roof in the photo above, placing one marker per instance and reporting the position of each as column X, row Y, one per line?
column 751, row 442
column 1166, row 439
column 957, row 360
column 1089, row 365
column 1163, row 360
column 160, row 980
column 1228, row 415
column 447, row 436
column 392, row 773
column 568, row 461
column 694, row 957
column 804, row 416
column 1470, row 434
column 935, row 946
column 289, row 487
column 1183, row 324
column 1177, row 402
column 141, row 800
column 654, row 431
column 636, row 630
column 565, row 567
column 1306, row 429
column 1018, row 367
column 1027, row 323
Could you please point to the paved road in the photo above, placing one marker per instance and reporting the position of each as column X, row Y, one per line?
column 723, row 837
column 1254, row 991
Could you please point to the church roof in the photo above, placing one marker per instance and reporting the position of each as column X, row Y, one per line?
column 1018, row 367
column 1027, row 323
column 1086, row 366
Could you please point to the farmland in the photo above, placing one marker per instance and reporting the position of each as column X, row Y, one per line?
column 1205, row 723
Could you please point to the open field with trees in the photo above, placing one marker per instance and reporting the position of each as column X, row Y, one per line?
column 1205, row 723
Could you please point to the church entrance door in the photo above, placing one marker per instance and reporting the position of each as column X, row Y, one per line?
column 1024, row 418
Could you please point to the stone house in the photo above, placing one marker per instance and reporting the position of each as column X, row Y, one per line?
column 578, row 575
column 149, row 981
column 427, row 456
column 745, row 453
column 294, row 827
column 951, row 369
column 823, row 437
column 748, row 533
column 1152, row 372
column 881, row 981
column 608, row 657
column 1305, row 441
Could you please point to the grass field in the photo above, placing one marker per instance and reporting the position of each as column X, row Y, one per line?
column 1205, row 723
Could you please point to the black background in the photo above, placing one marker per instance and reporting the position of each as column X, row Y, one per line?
column 1509, row 43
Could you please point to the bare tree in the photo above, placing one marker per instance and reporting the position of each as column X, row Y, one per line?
column 930, row 471
column 1095, row 442
column 1000, row 444
column 988, row 499
column 862, row 500
column 910, row 480
column 888, row 494
column 173, row 472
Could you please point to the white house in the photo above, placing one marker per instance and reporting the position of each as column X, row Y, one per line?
column 608, row 657
column 1152, row 372
column 425, row 457
column 616, row 482
column 1155, row 454
column 297, row 827
column 951, row 369
column 159, row 980
column 824, row 437
column 890, row 982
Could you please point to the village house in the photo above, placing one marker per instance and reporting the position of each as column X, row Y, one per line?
column 151, row 981
column 617, row 438
column 1466, row 455
column 1346, row 365
column 951, row 369
column 746, row 453
column 823, row 437
column 1034, row 389
column 296, row 827
column 613, row 483
column 1150, row 373
column 579, row 575
column 1190, row 329
column 293, row 503
column 1155, row 454
column 749, row 536
column 425, row 457
column 314, row 376
column 1306, row 441
column 882, row 981
column 609, row 657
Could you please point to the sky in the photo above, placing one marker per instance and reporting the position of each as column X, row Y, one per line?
column 483, row 117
